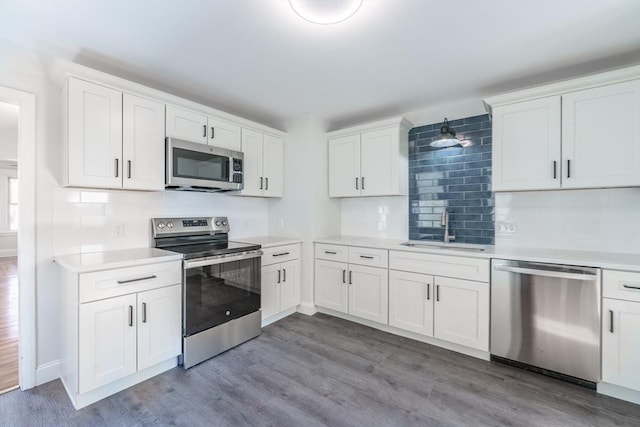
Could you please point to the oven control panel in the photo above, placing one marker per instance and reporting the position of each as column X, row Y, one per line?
column 197, row 225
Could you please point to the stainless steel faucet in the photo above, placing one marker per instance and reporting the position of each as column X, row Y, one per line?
column 444, row 221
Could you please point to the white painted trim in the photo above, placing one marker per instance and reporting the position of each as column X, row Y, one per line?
column 8, row 233
column 307, row 308
column 565, row 86
column 48, row 372
column 279, row 316
column 26, row 232
column 412, row 335
column 618, row 392
column 371, row 126
column 4, row 253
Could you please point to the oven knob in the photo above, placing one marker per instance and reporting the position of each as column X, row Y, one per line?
column 161, row 225
column 218, row 223
column 228, row 313
column 170, row 224
column 225, row 223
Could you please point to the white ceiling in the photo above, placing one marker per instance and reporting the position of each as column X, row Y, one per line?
column 257, row 58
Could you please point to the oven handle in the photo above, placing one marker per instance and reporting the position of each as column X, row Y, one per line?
column 221, row 259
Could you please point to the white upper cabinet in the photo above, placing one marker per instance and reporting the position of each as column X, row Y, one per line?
column 142, row 143
column 526, row 145
column 369, row 160
column 114, row 139
column 197, row 127
column 187, row 125
column 582, row 133
column 601, row 136
column 263, row 164
column 93, row 152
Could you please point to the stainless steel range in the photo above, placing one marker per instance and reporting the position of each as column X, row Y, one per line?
column 221, row 284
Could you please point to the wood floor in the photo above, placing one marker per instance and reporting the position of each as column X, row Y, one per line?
column 320, row 370
column 8, row 323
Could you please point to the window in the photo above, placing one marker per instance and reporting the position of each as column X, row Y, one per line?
column 13, row 204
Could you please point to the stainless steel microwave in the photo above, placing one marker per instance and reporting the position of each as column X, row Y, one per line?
column 200, row 167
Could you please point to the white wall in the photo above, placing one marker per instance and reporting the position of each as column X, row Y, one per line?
column 382, row 217
column 605, row 220
column 306, row 212
column 8, row 131
column 8, row 239
column 70, row 220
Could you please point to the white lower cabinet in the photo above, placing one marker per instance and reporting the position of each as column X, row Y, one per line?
column 450, row 309
column 280, row 288
column 359, row 290
column 621, row 343
column 120, row 326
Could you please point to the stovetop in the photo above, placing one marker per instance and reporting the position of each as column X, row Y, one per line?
column 203, row 250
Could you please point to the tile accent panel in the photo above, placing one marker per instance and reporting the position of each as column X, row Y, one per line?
column 458, row 178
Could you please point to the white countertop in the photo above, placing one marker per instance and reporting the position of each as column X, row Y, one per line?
column 95, row 261
column 616, row 261
column 268, row 241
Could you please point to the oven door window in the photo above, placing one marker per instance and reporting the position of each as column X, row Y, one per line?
column 215, row 294
column 197, row 165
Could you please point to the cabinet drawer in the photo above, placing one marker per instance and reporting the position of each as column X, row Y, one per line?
column 332, row 252
column 440, row 265
column 623, row 285
column 121, row 281
column 280, row 254
column 369, row 256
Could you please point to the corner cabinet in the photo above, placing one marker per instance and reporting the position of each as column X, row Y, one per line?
column 263, row 164
column 120, row 326
column 584, row 133
column 280, row 290
column 112, row 139
column 369, row 160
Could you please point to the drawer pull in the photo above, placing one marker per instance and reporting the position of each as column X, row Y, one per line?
column 331, row 252
column 122, row 282
column 366, row 257
column 281, row 254
column 631, row 286
column 130, row 315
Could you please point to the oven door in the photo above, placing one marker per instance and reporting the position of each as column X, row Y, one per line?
column 190, row 164
column 219, row 289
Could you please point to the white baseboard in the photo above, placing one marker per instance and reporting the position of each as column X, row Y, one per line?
column 48, row 372
column 618, row 392
column 307, row 308
column 279, row 316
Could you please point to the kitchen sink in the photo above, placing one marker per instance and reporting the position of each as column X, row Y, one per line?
column 442, row 246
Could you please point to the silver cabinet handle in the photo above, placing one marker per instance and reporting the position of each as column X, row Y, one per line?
column 122, row 282
column 284, row 274
column 428, row 291
column 363, row 182
column 279, row 272
column 331, row 252
column 437, row 292
column 350, row 277
column 344, row 274
column 213, row 132
column 129, row 169
column 555, row 169
column 130, row 315
column 281, row 254
column 611, row 321
column 568, row 168
column 266, row 185
column 261, row 182
column 630, row 286
column 116, row 167
column 144, row 312
column 204, row 131
column 357, row 183
column 366, row 257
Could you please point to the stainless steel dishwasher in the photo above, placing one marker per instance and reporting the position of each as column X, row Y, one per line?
column 546, row 317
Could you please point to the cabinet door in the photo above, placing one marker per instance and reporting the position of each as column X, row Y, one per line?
column 95, row 135
column 273, row 166
column 369, row 292
column 379, row 162
column 159, row 325
column 331, row 289
column 107, row 341
column 224, row 134
column 290, row 284
column 621, row 343
column 461, row 312
column 601, row 136
column 270, row 290
column 252, row 149
column 142, row 143
column 344, row 166
column 526, row 145
column 186, row 125
column 411, row 301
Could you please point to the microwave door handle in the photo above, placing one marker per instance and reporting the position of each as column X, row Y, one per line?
column 231, row 171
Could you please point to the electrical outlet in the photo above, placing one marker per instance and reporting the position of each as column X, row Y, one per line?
column 506, row 227
column 118, row 230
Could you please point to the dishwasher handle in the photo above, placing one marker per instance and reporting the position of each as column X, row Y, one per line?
column 547, row 273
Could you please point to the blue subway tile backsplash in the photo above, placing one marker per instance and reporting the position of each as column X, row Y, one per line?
column 458, row 178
